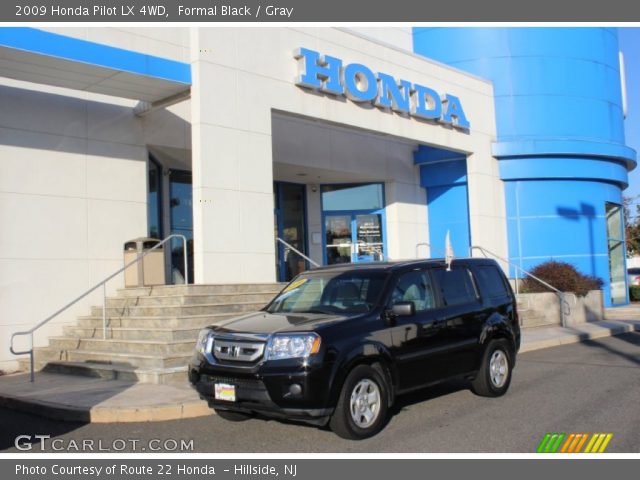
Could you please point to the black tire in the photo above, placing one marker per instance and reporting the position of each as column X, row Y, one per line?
column 232, row 416
column 342, row 421
column 484, row 384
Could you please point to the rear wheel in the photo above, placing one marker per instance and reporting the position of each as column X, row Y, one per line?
column 362, row 407
column 232, row 416
column 494, row 377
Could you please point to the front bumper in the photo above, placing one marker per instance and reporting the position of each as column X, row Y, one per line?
column 267, row 389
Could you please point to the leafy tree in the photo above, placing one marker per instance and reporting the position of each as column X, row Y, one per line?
column 562, row 276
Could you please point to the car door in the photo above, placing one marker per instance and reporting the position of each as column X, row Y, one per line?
column 417, row 339
column 462, row 319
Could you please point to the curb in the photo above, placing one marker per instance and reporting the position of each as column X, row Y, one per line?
column 67, row 413
column 577, row 338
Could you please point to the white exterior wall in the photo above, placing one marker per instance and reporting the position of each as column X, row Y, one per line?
column 236, row 89
column 72, row 189
column 73, row 165
column 399, row 37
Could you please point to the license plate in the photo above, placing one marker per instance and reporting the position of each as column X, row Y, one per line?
column 225, row 392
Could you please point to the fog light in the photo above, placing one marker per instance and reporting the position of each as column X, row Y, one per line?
column 295, row 389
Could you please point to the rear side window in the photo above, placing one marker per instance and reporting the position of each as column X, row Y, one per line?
column 456, row 286
column 491, row 281
column 414, row 287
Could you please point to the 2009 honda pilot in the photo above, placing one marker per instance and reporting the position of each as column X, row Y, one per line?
column 339, row 344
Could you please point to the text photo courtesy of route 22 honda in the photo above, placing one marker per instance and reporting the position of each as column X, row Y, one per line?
column 338, row 344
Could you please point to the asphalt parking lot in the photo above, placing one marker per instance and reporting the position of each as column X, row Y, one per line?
column 588, row 387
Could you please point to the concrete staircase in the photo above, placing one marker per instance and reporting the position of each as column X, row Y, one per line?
column 534, row 317
column 151, row 331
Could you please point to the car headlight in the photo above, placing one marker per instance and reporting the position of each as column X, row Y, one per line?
column 203, row 339
column 283, row 346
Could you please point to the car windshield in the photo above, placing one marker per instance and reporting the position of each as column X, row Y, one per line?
column 330, row 292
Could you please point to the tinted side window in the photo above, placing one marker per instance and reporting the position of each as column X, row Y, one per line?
column 491, row 281
column 414, row 287
column 456, row 286
column 351, row 293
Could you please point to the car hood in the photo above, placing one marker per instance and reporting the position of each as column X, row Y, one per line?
column 262, row 323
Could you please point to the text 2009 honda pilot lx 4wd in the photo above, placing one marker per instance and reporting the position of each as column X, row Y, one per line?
column 340, row 343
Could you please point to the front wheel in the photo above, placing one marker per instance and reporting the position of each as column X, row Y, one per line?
column 494, row 377
column 362, row 407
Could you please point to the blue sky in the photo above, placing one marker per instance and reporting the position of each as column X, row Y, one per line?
column 629, row 39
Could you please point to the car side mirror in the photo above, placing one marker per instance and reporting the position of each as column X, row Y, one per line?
column 403, row 309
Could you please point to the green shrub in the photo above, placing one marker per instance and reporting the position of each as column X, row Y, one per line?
column 634, row 293
column 562, row 276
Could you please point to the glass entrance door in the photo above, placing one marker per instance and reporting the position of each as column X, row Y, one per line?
column 338, row 239
column 290, row 225
column 353, row 223
column 369, row 244
column 352, row 238
column 181, row 222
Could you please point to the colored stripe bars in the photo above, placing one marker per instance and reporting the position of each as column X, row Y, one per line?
column 574, row 443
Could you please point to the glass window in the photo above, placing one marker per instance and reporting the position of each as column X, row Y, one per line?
column 456, row 286
column 491, row 281
column 369, row 237
column 414, row 287
column 617, row 275
column 290, row 226
column 181, row 222
column 352, row 197
column 154, row 198
column 330, row 293
column 338, row 238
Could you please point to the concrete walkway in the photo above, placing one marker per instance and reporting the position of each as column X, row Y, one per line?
column 546, row 337
column 87, row 399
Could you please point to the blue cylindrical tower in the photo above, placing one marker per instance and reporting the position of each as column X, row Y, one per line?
column 560, row 142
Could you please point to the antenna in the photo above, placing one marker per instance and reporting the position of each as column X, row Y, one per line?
column 448, row 251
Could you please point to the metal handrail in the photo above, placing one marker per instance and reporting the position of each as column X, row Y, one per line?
column 422, row 244
column 291, row 247
column 561, row 294
column 104, row 300
column 432, row 249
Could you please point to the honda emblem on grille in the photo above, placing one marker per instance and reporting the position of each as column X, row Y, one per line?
column 237, row 351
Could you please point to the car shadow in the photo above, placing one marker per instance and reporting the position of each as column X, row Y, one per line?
column 403, row 402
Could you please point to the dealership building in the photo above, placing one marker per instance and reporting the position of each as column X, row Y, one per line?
column 348, row 145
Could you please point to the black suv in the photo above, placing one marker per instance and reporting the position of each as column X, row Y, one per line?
column 339, row 344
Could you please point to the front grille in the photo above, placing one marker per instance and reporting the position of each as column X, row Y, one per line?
column 237, row 351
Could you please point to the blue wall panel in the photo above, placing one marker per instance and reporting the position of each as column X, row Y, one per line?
column 560, row 131
column 566, row 218
column 448, row 211
column 443, row 173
